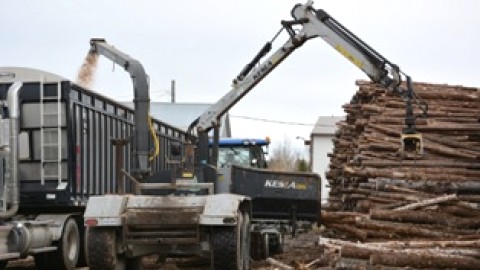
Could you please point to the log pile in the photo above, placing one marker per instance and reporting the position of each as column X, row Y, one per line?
column 417, row 254
column 367, row 168
column 407, row 210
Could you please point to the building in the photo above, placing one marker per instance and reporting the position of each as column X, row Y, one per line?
column 321, row 144
column 181, row 115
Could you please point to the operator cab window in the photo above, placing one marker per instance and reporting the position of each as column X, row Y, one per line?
column 234, row 156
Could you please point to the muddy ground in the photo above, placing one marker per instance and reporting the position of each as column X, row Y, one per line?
column 301, row 249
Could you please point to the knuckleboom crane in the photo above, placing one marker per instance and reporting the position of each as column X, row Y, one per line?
column 313, row 23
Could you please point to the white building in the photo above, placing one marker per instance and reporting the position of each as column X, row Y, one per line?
column 321, row 144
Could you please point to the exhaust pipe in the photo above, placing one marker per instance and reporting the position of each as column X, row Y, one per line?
column 11, row 183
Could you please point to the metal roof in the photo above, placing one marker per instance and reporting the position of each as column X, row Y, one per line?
column 242, row 142
column 12, row 74
column 326, row 125
column 181, row 115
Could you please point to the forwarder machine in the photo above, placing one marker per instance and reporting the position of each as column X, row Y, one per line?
column 122, row 228
column 283, row 202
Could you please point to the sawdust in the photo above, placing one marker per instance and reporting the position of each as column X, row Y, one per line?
column 86, row 74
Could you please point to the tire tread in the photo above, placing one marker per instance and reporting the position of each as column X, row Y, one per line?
column 101, row 249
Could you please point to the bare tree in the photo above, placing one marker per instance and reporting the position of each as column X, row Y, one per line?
column 301, row 165
column 283, row 157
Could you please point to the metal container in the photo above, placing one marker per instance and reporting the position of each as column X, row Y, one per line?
column 66, row 135
column 278, row 195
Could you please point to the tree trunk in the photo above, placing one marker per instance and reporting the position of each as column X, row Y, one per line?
column 427, row 202
column 423, row 259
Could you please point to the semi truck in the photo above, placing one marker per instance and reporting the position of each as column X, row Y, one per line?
column 58, row 148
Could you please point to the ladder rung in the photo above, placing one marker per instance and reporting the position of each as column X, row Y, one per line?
column 51, row 160
column 51, row 98
column 52, row 176
column 50, row 113
column 50, row 144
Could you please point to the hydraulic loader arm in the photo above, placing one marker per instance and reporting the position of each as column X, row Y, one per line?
column 309, row 23
column 318, row 23
column 141, row 100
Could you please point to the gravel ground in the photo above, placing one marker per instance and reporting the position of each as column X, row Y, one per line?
column 298, row 250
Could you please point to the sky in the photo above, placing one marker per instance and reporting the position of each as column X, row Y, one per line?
column 203, row 45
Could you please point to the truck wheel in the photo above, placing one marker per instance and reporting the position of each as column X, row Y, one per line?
column 102, row 251
column 229, row 249
column 278, row 248
column 67, row 253
column 246, row 240
column 266, row 245
column 134, row 263
column 82, row 256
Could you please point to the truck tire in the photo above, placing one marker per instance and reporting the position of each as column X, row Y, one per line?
column 102, row 251
column 67, row 253
column 246, row 240
column 266, row 246
column 134, row 263
column 82, row 256
column 278, row 248
column 229, row 249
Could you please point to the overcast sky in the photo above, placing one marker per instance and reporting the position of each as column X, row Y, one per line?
column 204, row 44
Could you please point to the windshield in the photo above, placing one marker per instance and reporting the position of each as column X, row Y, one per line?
column 234, row 155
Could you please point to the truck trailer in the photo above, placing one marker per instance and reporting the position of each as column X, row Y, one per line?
column 69, row 148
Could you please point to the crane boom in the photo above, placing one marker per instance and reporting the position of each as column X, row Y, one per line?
column 313, row 23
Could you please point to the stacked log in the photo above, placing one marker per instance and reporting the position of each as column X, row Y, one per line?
column 417, row 254
column 366, row 158
column 406, row 209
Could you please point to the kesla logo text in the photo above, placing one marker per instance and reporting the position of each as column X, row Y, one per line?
column 285, row 184
column 280, row 184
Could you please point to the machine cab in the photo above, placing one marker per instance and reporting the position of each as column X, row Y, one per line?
column 243, row 152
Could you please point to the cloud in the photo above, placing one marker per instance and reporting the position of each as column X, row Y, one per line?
column 204, row 44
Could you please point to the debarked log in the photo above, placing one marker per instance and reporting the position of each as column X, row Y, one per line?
column 379, row 255
column 403, row 229
column 427, row 202
column 349, row 230
column 429, row 244
column 424, row 217
column 423, row 259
